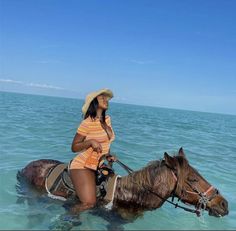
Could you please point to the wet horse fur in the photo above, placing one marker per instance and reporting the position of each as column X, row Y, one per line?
column 131, row 194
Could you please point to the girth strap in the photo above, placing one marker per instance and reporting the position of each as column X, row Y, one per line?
column 58, row 184
column 54, row 174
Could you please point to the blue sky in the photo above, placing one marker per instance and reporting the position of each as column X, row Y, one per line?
column 175, row 54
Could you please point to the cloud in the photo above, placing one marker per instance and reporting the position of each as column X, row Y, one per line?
column 44, row 86
column 117, row 98
column 11, row 81
column 38, row 85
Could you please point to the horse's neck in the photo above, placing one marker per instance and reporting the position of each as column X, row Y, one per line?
column 136, row 188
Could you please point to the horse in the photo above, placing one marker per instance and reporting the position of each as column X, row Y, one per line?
column 150, row 187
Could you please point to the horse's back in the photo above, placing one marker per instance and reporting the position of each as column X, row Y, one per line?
column 36, row 171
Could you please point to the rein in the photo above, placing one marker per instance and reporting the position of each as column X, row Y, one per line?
column 203, row 196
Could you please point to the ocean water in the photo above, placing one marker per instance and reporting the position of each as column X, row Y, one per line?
column 34, row 127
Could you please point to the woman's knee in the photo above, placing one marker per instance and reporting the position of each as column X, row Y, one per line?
column 82, row 206
column 89, row 204
column 89, row 200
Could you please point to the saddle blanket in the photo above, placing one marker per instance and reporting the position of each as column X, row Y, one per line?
column 58, row 184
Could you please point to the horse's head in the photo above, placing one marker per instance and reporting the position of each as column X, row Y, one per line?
column 192, row 188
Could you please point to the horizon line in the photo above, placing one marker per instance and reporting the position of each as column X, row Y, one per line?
column 117, row 102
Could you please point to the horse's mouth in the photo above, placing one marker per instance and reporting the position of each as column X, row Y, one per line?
column 216, row 212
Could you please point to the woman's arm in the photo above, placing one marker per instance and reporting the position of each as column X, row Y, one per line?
column 79, row 143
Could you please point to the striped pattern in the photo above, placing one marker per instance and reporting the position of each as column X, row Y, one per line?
column 92, row 129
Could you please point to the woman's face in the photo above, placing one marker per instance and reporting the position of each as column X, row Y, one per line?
column 102, row 101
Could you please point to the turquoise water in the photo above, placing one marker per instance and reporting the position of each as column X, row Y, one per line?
column 34, row 127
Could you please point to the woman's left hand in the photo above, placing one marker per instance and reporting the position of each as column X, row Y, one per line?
column 111, row 158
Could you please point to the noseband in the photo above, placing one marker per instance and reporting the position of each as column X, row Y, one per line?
column 203, row 196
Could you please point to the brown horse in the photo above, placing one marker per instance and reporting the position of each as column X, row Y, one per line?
column 150, row 187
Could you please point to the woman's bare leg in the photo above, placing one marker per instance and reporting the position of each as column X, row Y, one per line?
column 85, row 187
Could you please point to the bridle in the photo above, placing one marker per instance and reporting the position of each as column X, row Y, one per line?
column 203, row 196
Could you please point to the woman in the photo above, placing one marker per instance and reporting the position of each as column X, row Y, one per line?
column 92, row 140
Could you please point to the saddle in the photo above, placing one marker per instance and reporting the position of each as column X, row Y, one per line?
column 58, row 183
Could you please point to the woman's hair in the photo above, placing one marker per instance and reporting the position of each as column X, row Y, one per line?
column 92, row 110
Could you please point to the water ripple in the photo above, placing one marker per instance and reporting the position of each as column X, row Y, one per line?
column 36, row 127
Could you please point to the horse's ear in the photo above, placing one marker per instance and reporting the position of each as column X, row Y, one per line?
column 169, row 160
column 181, row 152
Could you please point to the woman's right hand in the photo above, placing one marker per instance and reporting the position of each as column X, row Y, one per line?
column 96, row 146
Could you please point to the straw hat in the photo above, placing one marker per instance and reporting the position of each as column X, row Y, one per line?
column 91, row 96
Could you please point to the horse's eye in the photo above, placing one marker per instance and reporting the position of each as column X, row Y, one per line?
column 191, row 179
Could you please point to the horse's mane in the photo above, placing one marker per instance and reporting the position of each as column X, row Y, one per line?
column 181, row 171
column 154, row 175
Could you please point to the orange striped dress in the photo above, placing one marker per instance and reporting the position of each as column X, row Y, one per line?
column 92, row 129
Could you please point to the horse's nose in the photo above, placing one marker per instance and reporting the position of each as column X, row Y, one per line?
column 224, row 206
